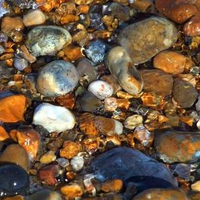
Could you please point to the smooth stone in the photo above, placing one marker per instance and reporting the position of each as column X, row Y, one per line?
column 71, row 191
column 47, row 40
column 157, row 81
column 45, row 194
column 15, row 153
column 161, row 194
column 181, row 91
column 57, row 78
column 170, row 62
column 100, row 89
column 141, row 44
column 53, row 118
column 34, row 17
column 131, row 165
column 13, row 180
column 192, row 27
column 184, row 146
column 123, row 69
column 20, row 63
column 77, row 163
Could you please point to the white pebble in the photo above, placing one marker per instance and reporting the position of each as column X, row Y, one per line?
column 100, row 89
column 53, row 118
column 118, row 127
column 77, row 163
column 132, row 121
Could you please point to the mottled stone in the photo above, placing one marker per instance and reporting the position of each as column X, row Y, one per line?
column 48, row 157
column 123, row 69
column 161, row 194
column 47, row 40
column 141, row 44
column 184, row 146
column 157, row 81
column 57, row 78
column 181, row 91
column 14, row 153
column 170, row 62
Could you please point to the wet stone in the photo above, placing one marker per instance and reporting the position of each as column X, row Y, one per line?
column 14, row 180
column 130, row 165
column 181, row 91
column 141, row 44
column 157, row 81
column 47, row 40
column 184, row 146
column 192, row 27
column 57, row 78
column 160, row 194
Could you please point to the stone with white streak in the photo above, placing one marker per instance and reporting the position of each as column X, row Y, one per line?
column 53, row 118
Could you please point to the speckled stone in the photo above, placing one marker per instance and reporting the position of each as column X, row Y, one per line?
column 47, row 40
column 184, row 146
column 157, row 81
column 181, row 91
column 57, row 78
column 141, row 44
column 161, row 194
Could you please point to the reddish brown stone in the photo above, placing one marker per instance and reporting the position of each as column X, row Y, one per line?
column 192, row 27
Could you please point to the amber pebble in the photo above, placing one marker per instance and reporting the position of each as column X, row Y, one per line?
column 161, row 194
column 70, row 149
column 34, row 17
column 142, row 5
column 68, row 101
column 28, row 138
column 3, row 134
column 48, row 5
column 68, row 19
column 114, row 185
column 79, row 2
column 91, row 145
column 82, row 9
column 48, row 157
column 157, row 81
column 15, row 153
column 192, row 27
column 71, row 191
column 48, row 174
column 12, row 108
column 196, row 186
column 18, row 197
column 170, row 62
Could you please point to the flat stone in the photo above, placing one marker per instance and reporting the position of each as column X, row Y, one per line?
column 181, row 91
column 157, row 81
column 141, row 44
column 47, row 40
column 184, row 146
column 71, row 191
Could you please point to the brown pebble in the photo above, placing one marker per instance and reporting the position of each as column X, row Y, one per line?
column 112, row 185
column 71, row 191
column 18, row 197
column 3, row 134
column 192, row 27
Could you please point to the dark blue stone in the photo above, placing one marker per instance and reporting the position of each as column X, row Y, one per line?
column 14, row 180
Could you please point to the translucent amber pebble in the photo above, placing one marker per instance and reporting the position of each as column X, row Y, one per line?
column 79, row 2
column 68, row 18
column 71, row 191
column 112, row 185
column 12, row 108
column 3, row 134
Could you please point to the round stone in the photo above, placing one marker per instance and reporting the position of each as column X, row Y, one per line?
column 47, row 40
column 57, row 78
column 141, row 44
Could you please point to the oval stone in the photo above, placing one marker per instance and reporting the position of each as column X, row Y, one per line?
column 184, row 146
column 146, row 38
column 123, row 69
column 47, row 40
column 57, row 78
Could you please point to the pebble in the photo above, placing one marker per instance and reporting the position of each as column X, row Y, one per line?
column 77, row 163
column 57, row 78
column 123, row 69
column 47, row 40
column 17, row 197
column 132, row 121
column 48, row 174
column 63, row 162
column 70, row 149
column 131, row 165
column 197, row 105
column 48, row 157
column 12, row 108
column 34, row 17
column 142, row 45
column 160, row 194
column 184, row 146
column 20, row 63
column 100, row 89
column 2, row 49
column 53, row 118
column 71, row 191
column 14, row 180
column 14, row 153
column 192, row 27
column 45, row 194
column 196, row 186
column 3, row 134
column 183, row 89
column 28, row 138
column 170, row 62
column 114, row 185
column 157, row 81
